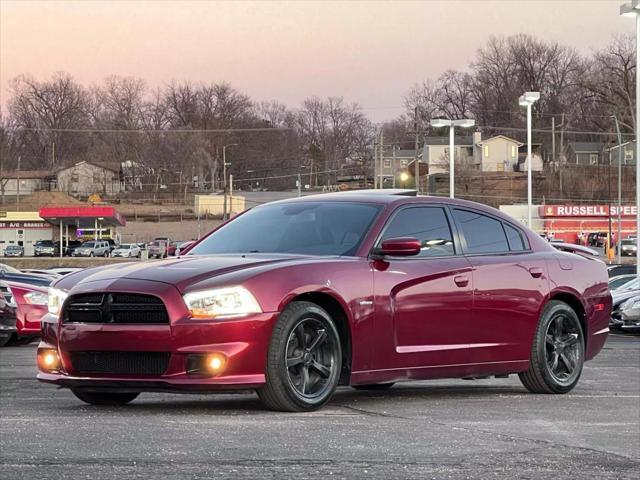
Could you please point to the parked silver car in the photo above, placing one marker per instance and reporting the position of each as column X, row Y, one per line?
column 630, row 314
column 92, row 248
column 14, row 251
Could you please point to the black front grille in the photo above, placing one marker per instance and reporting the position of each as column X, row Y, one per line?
column 115, row 308
column 120, row 363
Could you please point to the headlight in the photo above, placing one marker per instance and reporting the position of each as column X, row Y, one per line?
column 56, row 299
column 229, row 301
column 36, row 298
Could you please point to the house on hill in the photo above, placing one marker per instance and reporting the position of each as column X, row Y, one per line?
column 585, row 153
column 88, row 177
column 25, row 182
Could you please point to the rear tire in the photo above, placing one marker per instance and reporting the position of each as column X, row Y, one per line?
column 374, row 386
column 105, row 398
column 557, row 353
column 304, row 360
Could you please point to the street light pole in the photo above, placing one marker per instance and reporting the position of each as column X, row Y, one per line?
column 464, row 123
column 619, row 235
column 527, row 100
column 633, row 9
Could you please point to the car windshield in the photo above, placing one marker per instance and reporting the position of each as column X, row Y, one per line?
column 88, row 244
column 617, row 282
column 13, row 247
column 311, row 228
column 125, row 246
column 628, row 242
column 631, row 285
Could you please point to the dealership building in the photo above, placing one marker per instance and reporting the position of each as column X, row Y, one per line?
column 23, row 228
column 568, row 222
column 59, row 223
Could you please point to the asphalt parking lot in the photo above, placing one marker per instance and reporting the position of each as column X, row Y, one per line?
column 438, row 429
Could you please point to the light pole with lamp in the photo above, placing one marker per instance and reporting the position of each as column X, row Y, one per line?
column 442, row 122
column 224, row 175
column 619, row 137
column 633, row 10
column 527, row 100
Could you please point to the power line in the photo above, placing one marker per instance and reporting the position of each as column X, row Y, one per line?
column 152, row 130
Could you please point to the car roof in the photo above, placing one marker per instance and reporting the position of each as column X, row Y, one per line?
column 393, row 196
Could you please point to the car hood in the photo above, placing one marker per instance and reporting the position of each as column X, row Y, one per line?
column 181, row 272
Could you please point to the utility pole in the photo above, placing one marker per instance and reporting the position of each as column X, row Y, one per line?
column 417, row 165
column 381, row 164
column 299, row 184
column 562, row 136
column 224, row 180
column 231, row 194
column 375, row 164
column 553, row 140
column 393, row 166
column 18, row 184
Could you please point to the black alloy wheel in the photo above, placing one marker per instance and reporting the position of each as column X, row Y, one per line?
column 304, row 360
column 557, row 354
column 310, row 357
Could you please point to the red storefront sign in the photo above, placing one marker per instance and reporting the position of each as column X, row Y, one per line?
column 572, row 223
column 586, row 211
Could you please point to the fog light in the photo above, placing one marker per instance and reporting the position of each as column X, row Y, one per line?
column 48, row 360
column 206, row 365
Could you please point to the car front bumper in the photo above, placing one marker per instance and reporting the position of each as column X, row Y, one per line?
column 244, row 342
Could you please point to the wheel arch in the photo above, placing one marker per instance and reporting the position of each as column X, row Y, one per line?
column 573, row 300
column 339, row 313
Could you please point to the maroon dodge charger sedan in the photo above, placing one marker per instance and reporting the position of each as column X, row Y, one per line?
column 296, row 297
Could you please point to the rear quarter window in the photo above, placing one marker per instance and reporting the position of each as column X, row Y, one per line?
column 482, row 233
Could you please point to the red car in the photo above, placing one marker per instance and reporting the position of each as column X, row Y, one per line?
column 296, row 297
column 31, row 306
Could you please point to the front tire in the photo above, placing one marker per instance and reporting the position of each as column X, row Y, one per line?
column 557, row 353
column 105, row 398
column 304, row 360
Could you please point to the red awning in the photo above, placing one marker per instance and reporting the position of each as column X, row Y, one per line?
column 82, row 215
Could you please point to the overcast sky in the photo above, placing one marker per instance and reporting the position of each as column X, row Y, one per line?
column 369, row 52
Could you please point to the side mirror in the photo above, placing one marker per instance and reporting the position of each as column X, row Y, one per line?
column 400, row 247
column 2, row 272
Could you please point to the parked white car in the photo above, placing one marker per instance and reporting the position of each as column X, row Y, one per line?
column 126, row 250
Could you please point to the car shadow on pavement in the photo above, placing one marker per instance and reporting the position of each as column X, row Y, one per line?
column 230, row 404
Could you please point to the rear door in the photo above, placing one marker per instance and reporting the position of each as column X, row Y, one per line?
column 423, row 303
column 510, row 284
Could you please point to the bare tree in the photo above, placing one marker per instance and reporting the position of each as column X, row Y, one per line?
column 42, row 111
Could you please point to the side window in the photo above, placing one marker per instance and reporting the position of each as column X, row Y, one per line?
column 483, row 234
column 427, row 224
column 516, row 241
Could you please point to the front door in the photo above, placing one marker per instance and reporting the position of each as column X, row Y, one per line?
column 423, row 303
